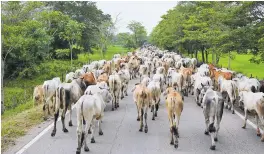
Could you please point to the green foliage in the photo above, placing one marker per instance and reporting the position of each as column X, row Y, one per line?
column 63, row 53
column 216, row 27
column 139, row 33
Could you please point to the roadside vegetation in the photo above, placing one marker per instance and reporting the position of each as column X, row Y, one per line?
column 218, row 30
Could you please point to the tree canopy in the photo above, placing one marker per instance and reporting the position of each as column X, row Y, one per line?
column 212, row 27
column 35, row 31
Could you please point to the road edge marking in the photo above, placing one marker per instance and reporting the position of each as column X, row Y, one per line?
column 43, row 132
column 248, row 121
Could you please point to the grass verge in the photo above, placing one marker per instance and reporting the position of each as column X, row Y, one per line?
column 241, row 64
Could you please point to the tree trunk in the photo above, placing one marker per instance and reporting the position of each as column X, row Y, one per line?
column 229, row 60
column 206, row 56
column 213, row 57
column 71, row 55
column 2, row 86
column 196, row 54
column 203, row 54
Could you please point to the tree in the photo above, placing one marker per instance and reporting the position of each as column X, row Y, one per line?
column 139, row 33
column 72, row 33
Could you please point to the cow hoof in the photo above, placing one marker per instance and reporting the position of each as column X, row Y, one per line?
column 198, row 104
column 122, row 97
column 78, row 152
column 117, row 105
column 101, row 133
column 206, row 133
column 171, row 142
column 126, row 94
column 212, row 147
column 215, row 139
column 113, row 109
column 45, row 118
column 176, row 146
column 70, row 124
column 244, row 127
column 140, row 130
column 233, row 112
column 137, row 119
column 92, row 140
column 89, row 131
column 146, row 130
column 153, row 118
column 86, row 149
column 65, row 130
column 53, row 133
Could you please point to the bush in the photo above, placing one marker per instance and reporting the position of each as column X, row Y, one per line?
column 62, row 53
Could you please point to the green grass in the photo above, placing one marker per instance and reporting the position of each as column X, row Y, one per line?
column 20, row 115
column 241, row 64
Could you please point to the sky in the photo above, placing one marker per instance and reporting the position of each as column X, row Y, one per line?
column 146, row 12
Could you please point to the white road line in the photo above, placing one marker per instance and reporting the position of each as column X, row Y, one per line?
column 40, row 135
column 248, row 121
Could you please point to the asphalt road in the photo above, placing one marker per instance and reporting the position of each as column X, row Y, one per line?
column 121, row 135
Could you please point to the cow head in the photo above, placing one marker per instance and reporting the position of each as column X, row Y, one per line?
column 106, row 95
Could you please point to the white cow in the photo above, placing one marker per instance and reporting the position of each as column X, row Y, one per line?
column 89, row 108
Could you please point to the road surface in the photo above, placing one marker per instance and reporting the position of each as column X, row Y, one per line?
column 121, row 135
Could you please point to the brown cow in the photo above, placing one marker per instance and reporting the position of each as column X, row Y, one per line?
column 103, row 77
column 174, row 106
column 142, row 99
column 89, row 78
column 38, row 95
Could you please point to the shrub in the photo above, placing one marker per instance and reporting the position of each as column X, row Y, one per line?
column 62, row 53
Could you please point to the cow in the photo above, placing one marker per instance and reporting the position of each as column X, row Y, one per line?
column 143, row 70
column 155, row 92
column 49, row 91
column 68, row 94
column 253, row 102
column 174, row 106
column 213, row 106
column 141, row 96
column 69, row 77
column 124, row 76
column 38, row 95
column 89, row 108
column 228, row 89
column 115, row 88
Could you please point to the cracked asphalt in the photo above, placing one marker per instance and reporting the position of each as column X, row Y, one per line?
column 121, row 135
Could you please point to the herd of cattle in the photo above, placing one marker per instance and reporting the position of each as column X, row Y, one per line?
column 161, row 73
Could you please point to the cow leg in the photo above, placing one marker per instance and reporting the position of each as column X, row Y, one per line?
column 117, row 98
column 80, row 133
column 100, row 128
column 157, row 108
column 64, row 129
column 146, row 117
column 45, row 115
column 258, row 131
column 122, row 92
column 113, row 102
column 206, row 132
column 56, row 115
column 70, row 115
column 137, row 111
column 141, row 119
column 89, row 122
column 92, row 130
column 232, row 106
column 89, row 130
column 175, row 132
column 153, row 111
column 246, row 116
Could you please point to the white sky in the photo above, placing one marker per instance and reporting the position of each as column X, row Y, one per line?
column 146, row 12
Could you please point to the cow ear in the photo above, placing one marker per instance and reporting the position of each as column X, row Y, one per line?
column 202, row 85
